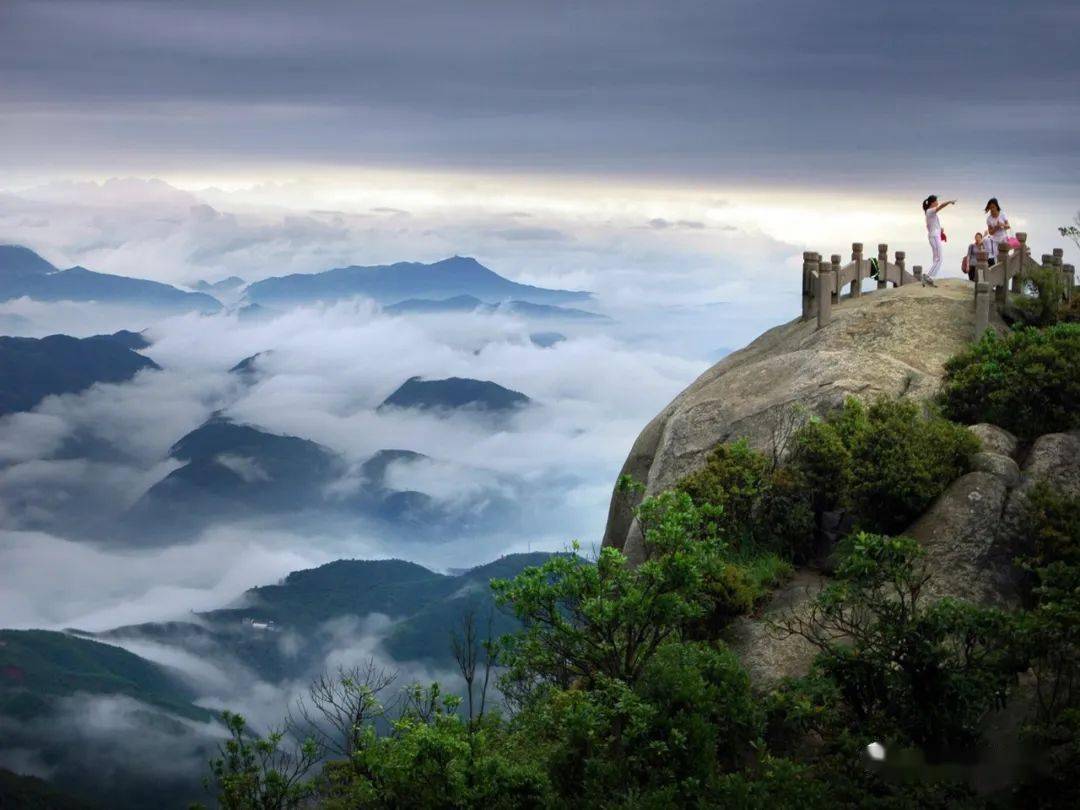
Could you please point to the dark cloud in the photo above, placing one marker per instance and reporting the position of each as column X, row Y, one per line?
column 781, row 90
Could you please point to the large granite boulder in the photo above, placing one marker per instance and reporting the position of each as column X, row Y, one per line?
column 768, row 653
column 995, row 440
column 960, row 534
column 893, row 342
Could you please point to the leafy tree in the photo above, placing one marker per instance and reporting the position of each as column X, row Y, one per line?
column 260, row 773
column 1072, row 230
column 434, row 759
column 583, row 621
column 892, row 653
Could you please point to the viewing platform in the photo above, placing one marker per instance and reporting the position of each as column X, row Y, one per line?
column 827, row 284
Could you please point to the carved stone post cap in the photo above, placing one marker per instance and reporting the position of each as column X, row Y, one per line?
column 917, row 269
column 1021, row 236
column 882, row 247
column 835, row 258
column 981, row 256
column 856, row 247
column 900, row 255
column 1058, row 253
column 808, row 255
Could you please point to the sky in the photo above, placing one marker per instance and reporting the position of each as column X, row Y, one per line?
column 807, row 121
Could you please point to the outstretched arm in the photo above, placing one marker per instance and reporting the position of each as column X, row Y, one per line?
column 945, row 204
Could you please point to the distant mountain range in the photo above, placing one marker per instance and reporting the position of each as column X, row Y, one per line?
column 136, row 341
column 454, row 393
column 23, row 273
column 45, row 677
column 389, row 284
column 39, row 670
column 34, row 368
column 426, row 607
column 226, row 285
column 37, row 666
column 469, row 303
column 234, row 471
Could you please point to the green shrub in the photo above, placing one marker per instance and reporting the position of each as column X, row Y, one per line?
column 1051, row 527
column 892, row 654
column 1027, row 382
column 756, row 505
column 658, row 743
column 1041, row 302
column 886, row 463
column 738, row 587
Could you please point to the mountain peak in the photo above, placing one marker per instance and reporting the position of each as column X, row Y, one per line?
column 453, row 393
column 20, row 260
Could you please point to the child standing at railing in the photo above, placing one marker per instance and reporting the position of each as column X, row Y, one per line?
column 979, row 243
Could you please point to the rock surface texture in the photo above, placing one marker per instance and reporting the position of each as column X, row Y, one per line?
column 893, row 342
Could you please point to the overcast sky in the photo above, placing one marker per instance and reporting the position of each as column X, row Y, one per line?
column 745, row 91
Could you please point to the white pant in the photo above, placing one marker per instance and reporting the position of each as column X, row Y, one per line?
column 935, row 247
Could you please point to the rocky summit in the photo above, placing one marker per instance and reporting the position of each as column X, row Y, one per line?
column 890, row 342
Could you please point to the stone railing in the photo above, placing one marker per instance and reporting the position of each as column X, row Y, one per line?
column 824, row 282
column 1008, row 274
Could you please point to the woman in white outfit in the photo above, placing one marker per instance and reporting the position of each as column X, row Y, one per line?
column 997, row 225
column 931, row 207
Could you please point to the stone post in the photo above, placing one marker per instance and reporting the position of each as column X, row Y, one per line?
column 1069, row 277
column 825, row 283
column 860, row 271
column 917, row 272
column 1059, row 270
column 1001, row 294
column 900, row 264
column 834, row 260
column 982, row 307
column 811, row 269
column 807, row 286
column 883, row 266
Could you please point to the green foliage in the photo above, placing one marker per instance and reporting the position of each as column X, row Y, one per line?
column 758, row 504
column 1027, row 382
column 434, row 759
column 1051, row 527
column 892, row 654
column 260, row 773
column 1051, row 632
column 661, row 742
column 887, row 463
column 584, row 622
column 1041, row 302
